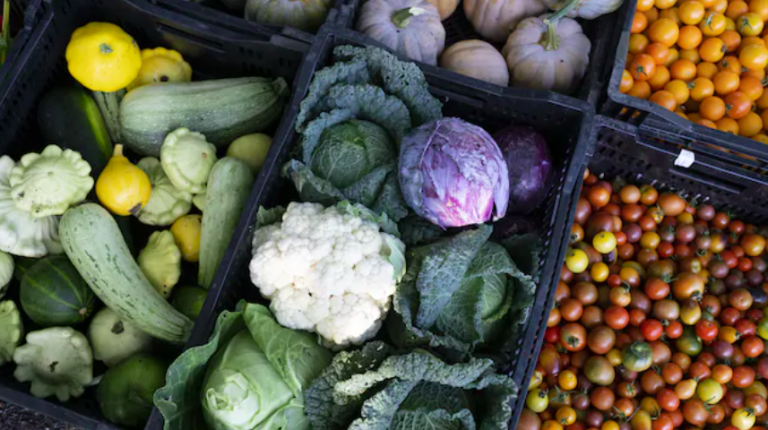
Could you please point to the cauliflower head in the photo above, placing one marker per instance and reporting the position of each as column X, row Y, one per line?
column 328, row 270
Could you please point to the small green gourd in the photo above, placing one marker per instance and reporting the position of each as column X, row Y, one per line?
column 161, row 262
column 187, row 159
column 6, row 272
column 11, row 330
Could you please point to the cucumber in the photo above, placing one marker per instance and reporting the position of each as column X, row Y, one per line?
column 92, row 241
column 109, row 105
column 222, row 110
column 69, row 117
column 228, row 188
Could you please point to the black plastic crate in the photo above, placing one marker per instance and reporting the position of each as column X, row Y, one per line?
column 457, row 28
column 565, row 122
column 20, row 29
column 656, row 122
column 212, row 52
column 214, row 12
column 620, row 150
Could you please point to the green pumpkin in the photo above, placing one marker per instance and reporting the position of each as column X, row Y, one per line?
column 54, row 294
column 307, row 15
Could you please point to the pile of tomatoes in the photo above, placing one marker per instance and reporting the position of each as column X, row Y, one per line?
column 703, row 59
column 658, row 321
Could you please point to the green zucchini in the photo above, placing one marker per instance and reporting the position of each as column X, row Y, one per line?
column 222, row 110
column 92, row 241
column 228, row 188
column 109, row 105
column 69, row 117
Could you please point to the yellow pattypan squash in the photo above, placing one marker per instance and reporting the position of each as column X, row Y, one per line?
column 103, row 57
column 123, row 187
column 161, row 65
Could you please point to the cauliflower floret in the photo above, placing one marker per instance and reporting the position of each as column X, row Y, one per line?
column 327, row 271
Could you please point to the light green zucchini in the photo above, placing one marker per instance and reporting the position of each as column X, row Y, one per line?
column 93, row 242
column 229, row 185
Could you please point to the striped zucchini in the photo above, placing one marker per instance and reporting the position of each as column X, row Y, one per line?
column 222, row 110
column 228, row 188
column 93, row 242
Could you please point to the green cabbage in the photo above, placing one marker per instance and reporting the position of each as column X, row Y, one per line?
column 251, row 374
column 459, row 293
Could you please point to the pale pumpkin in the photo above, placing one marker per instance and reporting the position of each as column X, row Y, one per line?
column 445, row 7
column 476, row 59
column 307, row 15
column 545, row 55
column 587, row 9
column 495, row 19
column 410, row 27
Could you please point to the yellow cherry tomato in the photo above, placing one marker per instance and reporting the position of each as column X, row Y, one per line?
column 536, row 380
column 614, row 357
column 756, row 387
column 599, row 272
column 710, row 391
column 713, row 24
column 650, row 405
column 610, row 425
column 537, row 400
column 749, row 24
column 743, row 419
column 551, row 425
column 604, row 242
column 567, row 380
column 754, row 57
column 576, row 261
column 650, row 240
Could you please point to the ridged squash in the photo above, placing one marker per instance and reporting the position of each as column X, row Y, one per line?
column 222, row 110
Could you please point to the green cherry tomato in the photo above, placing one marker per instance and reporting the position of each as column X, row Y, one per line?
column 689, row 343
column 637, row 357
column 576, row 260
column 762, row 328
column 604, row 242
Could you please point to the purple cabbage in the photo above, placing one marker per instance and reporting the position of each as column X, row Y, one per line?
column 529, row 164
column 453, row 174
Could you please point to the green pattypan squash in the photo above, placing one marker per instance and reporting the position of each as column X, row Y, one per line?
column 187, row 159
column 166, row 203
column 11, row 330
column 57, row 360
column 21, row 233
column 50, row 182
column 161, row 262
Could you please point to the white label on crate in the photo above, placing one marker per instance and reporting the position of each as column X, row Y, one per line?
column 685, row 159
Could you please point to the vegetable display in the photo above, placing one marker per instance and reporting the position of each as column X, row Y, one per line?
column 659, row 318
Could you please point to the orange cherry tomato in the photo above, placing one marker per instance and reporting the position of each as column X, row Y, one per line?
column 660, row 78
column 670, row 14
column 731, row 38
column 701, row 88
column 691, row 12
column 712, row 108
column 664, row 99
column 664, row 31
column 730, row 63
column 639, row 22
column 728, row 125
column 626, row 82
column 713, row 24
column 643, row 67
column 706, row 70
column 644, row 5
column 759, row 7
column 659, row 52
column 637, row 43
column 683, row 69
column 749, row 24
column 712, row 50
column 640, row 89
column 680, row 90
column 752, row 87
column 690, row 37
column 750, row 125
column 754, row 57
column 726, row 82
column 736, row 9
column 737, row 105
column 664, row 4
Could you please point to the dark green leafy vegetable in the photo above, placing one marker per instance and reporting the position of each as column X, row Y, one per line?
column 413, row 390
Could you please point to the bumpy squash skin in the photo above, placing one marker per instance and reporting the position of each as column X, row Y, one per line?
column 420, row 38
column 476, row 59
column 94, row 245
column 496, row 19
column 222, row 110
column 228, row 188
column 307, row 15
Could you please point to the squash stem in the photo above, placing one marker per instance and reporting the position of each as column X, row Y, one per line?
column 551, row 39
column 402, row 17
column 563, row 11
column 118, row 150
